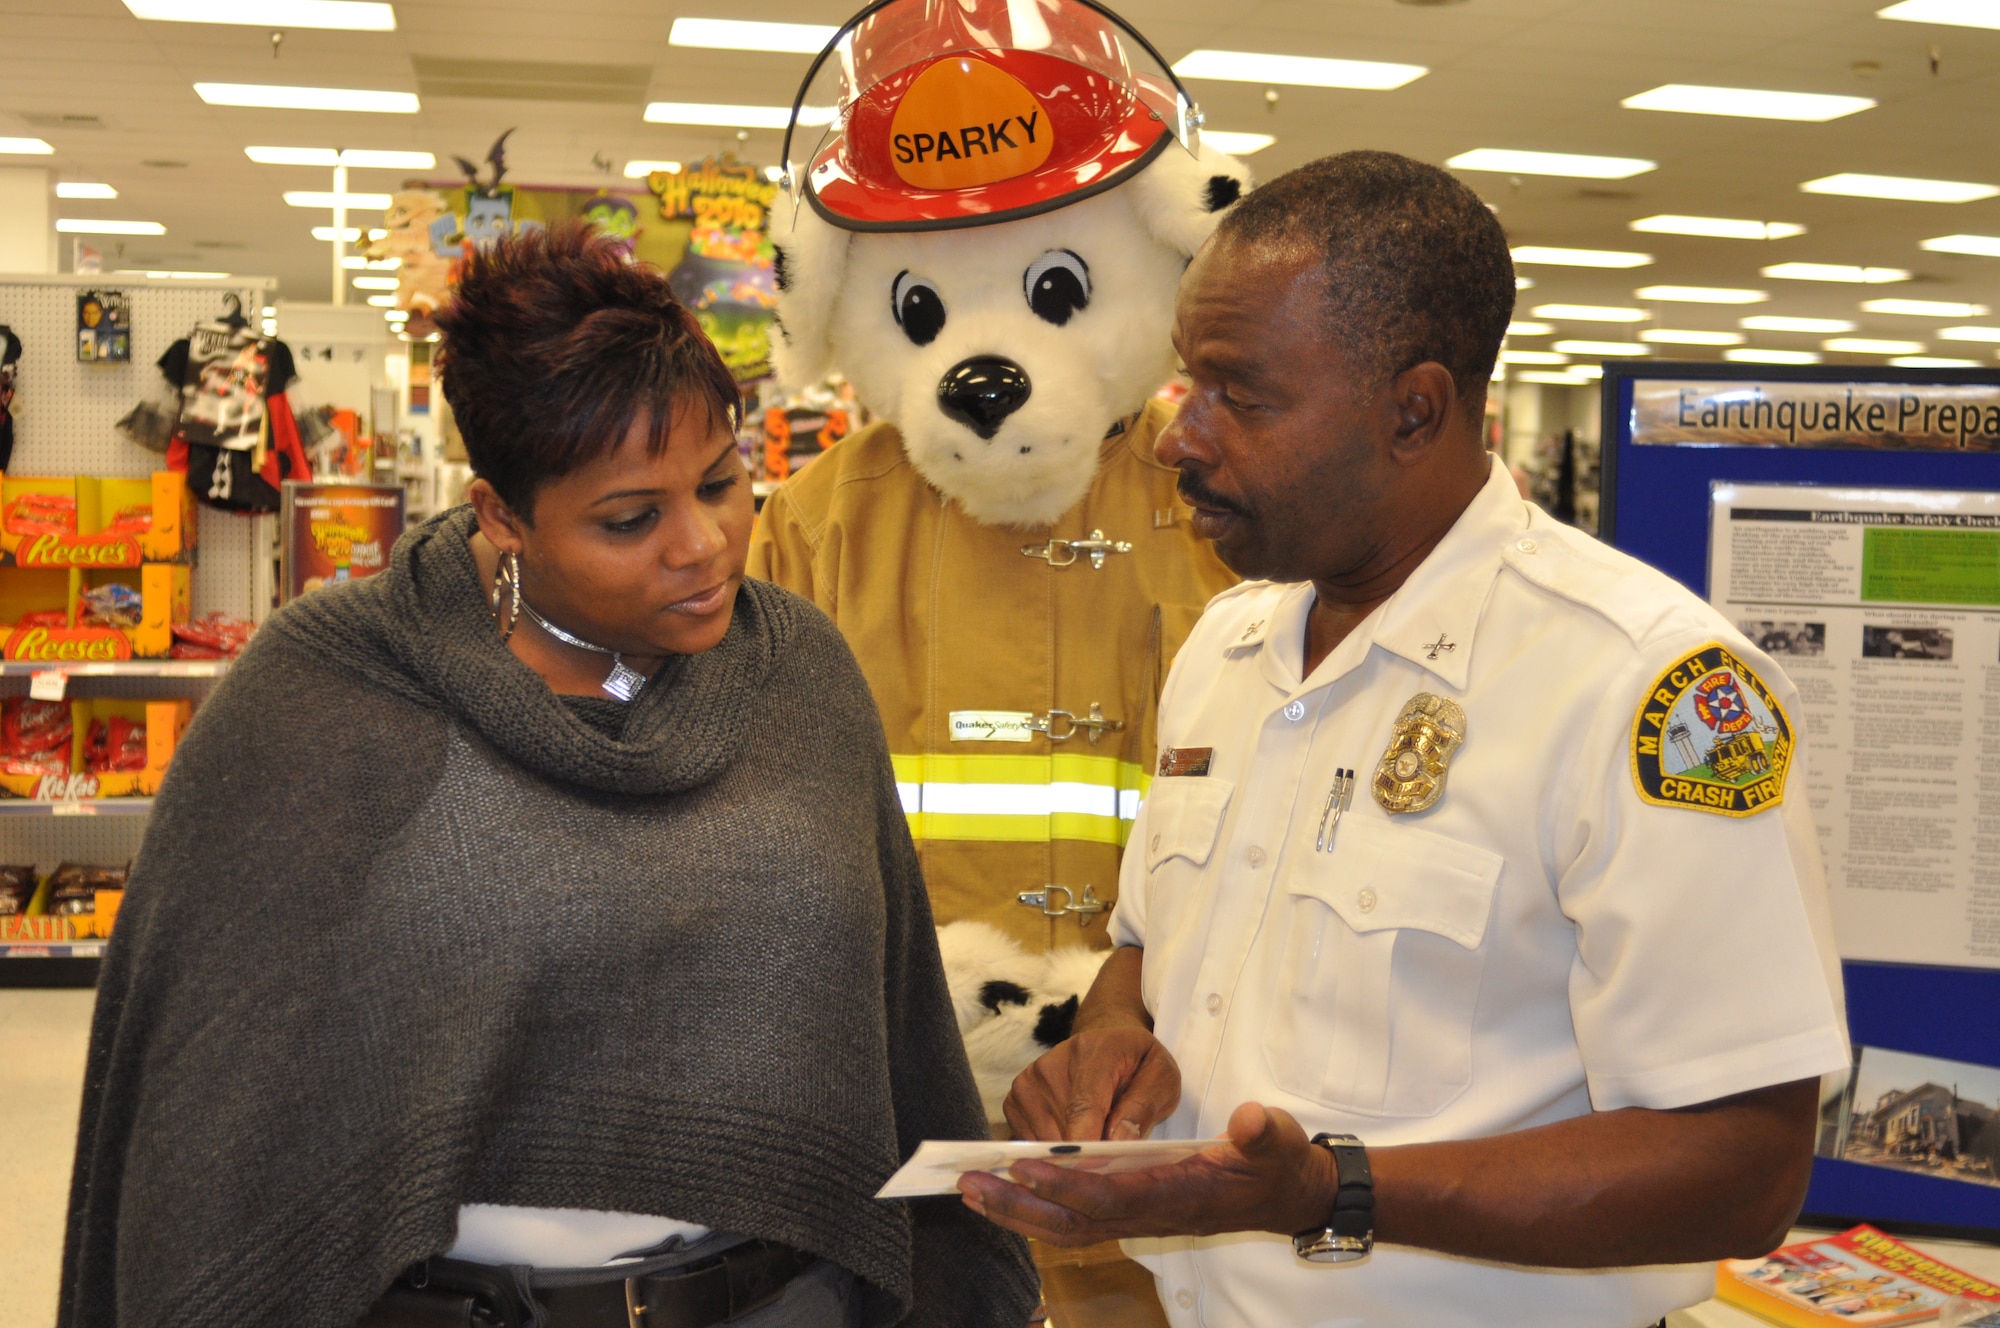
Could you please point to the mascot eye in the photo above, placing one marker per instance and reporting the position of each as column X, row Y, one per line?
column 918, row 307
column 1058, row 284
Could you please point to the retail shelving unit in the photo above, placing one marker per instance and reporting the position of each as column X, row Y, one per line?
column 66, row 413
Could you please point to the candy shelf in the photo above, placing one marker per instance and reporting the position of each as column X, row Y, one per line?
column 124, row 668
column 77, row 807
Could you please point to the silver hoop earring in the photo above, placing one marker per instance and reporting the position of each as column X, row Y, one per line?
column 507, row 587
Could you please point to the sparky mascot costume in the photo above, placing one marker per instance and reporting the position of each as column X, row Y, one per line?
column 990, row 206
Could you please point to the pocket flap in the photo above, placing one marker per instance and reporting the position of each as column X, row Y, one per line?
column 1183, row 817
column 1381, row 877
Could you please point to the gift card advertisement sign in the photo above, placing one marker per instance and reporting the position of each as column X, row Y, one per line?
column 337, row 532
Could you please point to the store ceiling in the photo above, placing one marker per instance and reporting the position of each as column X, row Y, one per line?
column 115, row 96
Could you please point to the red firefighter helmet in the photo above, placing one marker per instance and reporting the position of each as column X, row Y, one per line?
column 936, row 114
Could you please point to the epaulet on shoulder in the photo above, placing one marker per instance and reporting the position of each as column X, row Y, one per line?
column 1637, row 599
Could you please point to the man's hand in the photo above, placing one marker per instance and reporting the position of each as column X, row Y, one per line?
column 1111, row 1080
column 1269, row 1177
column 1111, row 1083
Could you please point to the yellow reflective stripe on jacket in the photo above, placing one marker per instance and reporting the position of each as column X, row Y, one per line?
column 1020, row 799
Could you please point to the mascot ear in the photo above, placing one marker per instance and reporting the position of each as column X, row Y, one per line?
column 811, row 264
column 1182, row 197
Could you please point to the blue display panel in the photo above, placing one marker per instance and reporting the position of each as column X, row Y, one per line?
column 1656, row 506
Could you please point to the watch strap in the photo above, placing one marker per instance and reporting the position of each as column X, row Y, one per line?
column 1354, row 1201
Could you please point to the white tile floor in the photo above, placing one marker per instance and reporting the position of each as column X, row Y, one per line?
column 42, row 1039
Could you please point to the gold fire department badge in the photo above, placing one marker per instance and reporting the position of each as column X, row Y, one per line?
column 1410, row 775
column 1710, row 736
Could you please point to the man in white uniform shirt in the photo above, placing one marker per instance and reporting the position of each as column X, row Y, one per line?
column 1472, row 840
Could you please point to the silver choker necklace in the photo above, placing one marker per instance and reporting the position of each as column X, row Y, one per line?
column 622, row 684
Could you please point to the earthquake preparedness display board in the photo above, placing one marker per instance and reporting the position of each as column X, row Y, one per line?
column 1712, row 473
column 1883, row 605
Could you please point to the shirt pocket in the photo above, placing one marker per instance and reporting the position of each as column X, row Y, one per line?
column 1381, row 970
column 1183, row 824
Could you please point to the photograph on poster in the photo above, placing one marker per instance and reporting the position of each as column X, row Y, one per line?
column 1917, row 1113
column 1905, row 642
column 1894, row 595
column 1785, row 638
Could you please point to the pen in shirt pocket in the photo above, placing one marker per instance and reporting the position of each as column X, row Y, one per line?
column 1337, row 798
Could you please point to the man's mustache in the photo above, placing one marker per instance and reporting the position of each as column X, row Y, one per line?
column 1200, row 495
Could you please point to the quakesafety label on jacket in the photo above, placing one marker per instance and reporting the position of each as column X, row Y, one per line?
column 991, row 726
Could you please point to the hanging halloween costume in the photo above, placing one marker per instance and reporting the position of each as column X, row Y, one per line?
column 987, row 242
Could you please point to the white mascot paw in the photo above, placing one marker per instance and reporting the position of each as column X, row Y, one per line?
column 1003, row 353
column 1011, row 1006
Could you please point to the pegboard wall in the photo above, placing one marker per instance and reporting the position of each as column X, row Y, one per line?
column 66, row 412
column 65, row 423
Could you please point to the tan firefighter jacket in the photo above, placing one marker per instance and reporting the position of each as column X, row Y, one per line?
column 1018, row 675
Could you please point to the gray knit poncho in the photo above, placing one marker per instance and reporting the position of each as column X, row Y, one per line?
column 408, row 932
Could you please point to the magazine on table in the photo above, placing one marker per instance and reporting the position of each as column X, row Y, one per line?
column 1860, row 1277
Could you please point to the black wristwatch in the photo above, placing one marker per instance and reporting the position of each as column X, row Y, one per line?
column 1350, row 1235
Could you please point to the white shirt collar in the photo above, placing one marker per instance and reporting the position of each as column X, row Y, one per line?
column 1430, row 620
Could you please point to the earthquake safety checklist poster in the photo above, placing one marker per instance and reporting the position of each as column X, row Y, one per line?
column 1883, row 606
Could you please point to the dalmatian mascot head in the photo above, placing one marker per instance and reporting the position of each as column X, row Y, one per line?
column 989, row 206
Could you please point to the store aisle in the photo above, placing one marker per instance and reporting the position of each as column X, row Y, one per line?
column 43, row 1035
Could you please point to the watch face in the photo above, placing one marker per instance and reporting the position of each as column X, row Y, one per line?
column 1331, row 1247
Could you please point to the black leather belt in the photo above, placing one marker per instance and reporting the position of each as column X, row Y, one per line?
column 718, row 1289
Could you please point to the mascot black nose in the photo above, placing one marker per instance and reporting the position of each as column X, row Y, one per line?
column 982, row 392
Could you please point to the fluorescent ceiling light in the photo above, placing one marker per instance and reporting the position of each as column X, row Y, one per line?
column 1873, row 346
column 1902, row 187
column 25, row 147
column 158, row 275
column 1969, row 333
column 1305, row 71
column 374, row 283
column 1781, row 323
column 1701, row 295
column 1554, row 378
column 1602, row 348
column 1717, row 228
column 347, row 233
column 639, row 170
column 1529, row 329
column 1523, row 283
column 730, row 34
column 1574, row 165
column 1986, row 246
column 396, row 317
column 382, row 301
column 710, row 113
column 361, row 262
column 1933, row 362
column 1957, row 13
column 91, row 226
column 1867, row 276
column 1669, row 336
column 1925, row 308
column 281, row 98
column 79, row 189
column 310, row 198
column 1557, row 257
column 1588, row 313
column 1235, row 142
column 351, row 15
column 1587, row 370
column 1753, row 103
column 1756, row 355
column 329, row 158
column 1532, row 357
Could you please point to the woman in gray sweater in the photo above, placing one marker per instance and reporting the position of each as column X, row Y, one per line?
column 531, row 933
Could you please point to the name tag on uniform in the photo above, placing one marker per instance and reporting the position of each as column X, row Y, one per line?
column 1185, row 760
column 991, row 726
